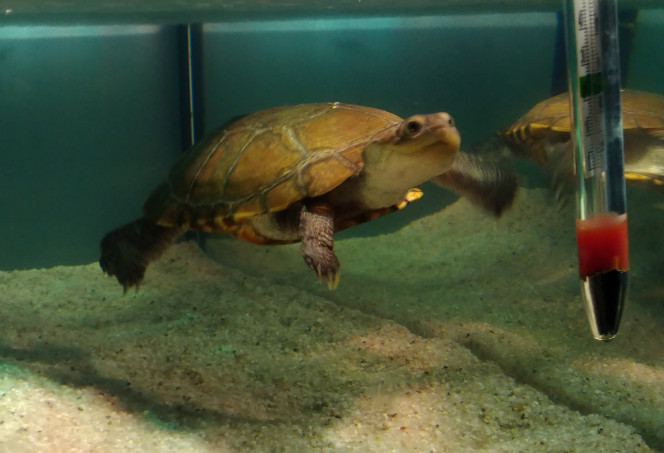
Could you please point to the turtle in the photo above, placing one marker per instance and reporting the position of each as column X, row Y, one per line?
column 302, row 173
column 543, row 135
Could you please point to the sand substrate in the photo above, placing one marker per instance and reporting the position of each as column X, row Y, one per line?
column 456, row 333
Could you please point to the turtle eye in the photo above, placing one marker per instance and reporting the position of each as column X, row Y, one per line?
column 413, row 127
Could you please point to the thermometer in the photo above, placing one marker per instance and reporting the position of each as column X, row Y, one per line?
column 597, row 136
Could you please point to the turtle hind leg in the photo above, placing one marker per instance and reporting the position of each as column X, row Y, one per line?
column 482, row 182
column 316, row 231
column 127, row 251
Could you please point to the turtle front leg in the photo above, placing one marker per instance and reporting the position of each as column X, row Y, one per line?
column 316, row 231
column 127, row 251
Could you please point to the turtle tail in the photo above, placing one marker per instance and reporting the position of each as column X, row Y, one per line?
column 127, row 251
column 483, row 183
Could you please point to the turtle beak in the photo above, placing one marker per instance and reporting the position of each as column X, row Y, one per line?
column 448, row 135
column 442, row 130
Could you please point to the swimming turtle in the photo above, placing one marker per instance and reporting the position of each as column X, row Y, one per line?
column 543, row 134
column 300, row 173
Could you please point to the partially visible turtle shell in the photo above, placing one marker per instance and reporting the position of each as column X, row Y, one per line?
column 264, row 163
column 539, row 133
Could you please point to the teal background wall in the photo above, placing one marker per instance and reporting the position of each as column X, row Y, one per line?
column 476, row 67
column 89, row 122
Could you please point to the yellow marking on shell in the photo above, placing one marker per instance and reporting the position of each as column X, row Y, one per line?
column 522, row 134
column 249, row 208
column 526, row 133
column 630, row 176
column 185, row 218
column 204, row 222
column 536, row 130
column 219, row 221
column 224, row 223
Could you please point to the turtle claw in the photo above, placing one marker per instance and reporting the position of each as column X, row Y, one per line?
column 127, row 286
column 326, row 266
column 333, row 279
column 331, row 276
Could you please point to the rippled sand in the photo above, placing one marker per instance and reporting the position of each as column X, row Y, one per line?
column 455, row 333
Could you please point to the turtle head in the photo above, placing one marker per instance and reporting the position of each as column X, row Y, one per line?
column 416, row 150
column 419, row 133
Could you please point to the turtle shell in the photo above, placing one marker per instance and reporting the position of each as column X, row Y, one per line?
column 265, row 162
column 640, row 110
column 548, row 123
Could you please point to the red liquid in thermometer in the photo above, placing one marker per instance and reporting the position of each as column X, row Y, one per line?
column 602, row 244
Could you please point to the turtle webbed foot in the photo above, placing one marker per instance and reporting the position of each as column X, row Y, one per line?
column 129, row 275
column 316, row 232
column 127, row 251
column 121, row 259
column 482, row 181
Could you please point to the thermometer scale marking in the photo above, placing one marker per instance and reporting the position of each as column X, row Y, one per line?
column 590, row 86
